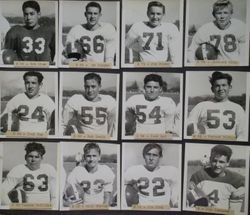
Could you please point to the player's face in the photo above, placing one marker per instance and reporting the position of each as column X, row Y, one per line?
column 152, row 90
column 31, row 17
column 155, row 15
column 92, row 89
column 32, row 86
column 152, row 159
column 219, row 164
column 92, row 158
column 33, row 160
column 223, row 17
column 92, row 16
column 221, row 89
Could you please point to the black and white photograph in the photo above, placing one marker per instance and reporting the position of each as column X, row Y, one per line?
column 152, row 105
column 29, row 33
column 216, row 106
column 151, row 176
column 90, row 37
column 30, row 181
column 90, row 176
column 216, row 178
column 217, row 33
column 29, row 102
column 152, row 33
column 89, row 107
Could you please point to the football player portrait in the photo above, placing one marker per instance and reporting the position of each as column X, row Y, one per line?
column 92, row 110
column 95, row 38
column 222, row 40
column 149, row 181
column 92, row 181
column 155, row 39
column 219, row 115
column 35, row 39
column 34, row 181
column 30, row 111
column 221, row 182
column 150, row 105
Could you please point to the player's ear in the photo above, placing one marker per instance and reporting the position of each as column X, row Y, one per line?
column 41, row 84
column 230, row 87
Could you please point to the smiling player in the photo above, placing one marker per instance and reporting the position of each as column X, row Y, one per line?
column 35, row 180
column 219, row 116
column 32, row 41
column 155, row 40
column 225, row 33
column 218, row 184
column 150, row 112
column 90, row 112
column 30, row 111
column 94, row 180
column 93, row 40
column 153, row 183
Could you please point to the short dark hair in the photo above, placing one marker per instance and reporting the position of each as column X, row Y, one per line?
column 34, row 146
column 93, row 76
column 33, row 73
column 156, row 4
column 150, row 146
column 153, row 77
column 219, row 75
column 32, row 4
column 222, row 150
column 90, row 146
column 220, row 4
column 93, row 4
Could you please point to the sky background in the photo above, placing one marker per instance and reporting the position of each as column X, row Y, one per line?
column 14, row 8
column 197, row 83
column 14, row 153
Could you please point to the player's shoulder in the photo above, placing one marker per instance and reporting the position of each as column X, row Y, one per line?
column 171, row 169
column 20, row 97
column 236, row 22
column 77, row 28
column 169, row 26
column 107, row 26
column 167, row 100
column 200, row 175
column 105, row 168
column 76, row 98
column 136, row 168
column 205, row 27
column 17, row 170
column 16, row 29
column 234, row 105
column 234, row 178
column 137, row 98
column 204, row 104
column 78, row 170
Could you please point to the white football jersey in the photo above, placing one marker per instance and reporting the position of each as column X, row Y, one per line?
column 152, row 116
column 99, row 44
column 93, row 184
column 218, row 189
column 92, row 117
column 227, row 41
column 219, row 118
column 25, row 114
column 155, row 44
column 37, row 184
column 155, row 187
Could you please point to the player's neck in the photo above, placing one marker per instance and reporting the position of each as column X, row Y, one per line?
column 152, row 26
column 221, row 100
column 151, row 169
column 33, row 168
column 91, row 170
column 222, row 27
column 33, row 27
column 32, row 97
column 91, row 27
column 96, row 99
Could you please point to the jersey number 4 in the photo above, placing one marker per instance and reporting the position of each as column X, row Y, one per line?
column 213, row 119
column 39, row 44
column 154, row 114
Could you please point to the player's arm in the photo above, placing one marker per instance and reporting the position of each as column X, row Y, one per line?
column 175, row 46
column 130, row 122
column 108, row 186
column 240, row 131
column 111, row 119
column 110, row 46
column 68, row 114
column 52, row 186
column 52, row 46
column 51, row 123
column 174, row 188
column 131, row 39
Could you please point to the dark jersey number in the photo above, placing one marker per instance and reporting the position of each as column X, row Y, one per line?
column 214, row 196
column 98, row 183
column 213, row 120
column 154, row 114
column 23, row 111
column 29, row 185
column 150, row 36
column 88, row 115
column 97, row 43
column 158, row 185
column 228, row 39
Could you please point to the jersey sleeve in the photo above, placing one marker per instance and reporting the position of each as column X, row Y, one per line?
column 132, row 38
column 170, row 109
column 193, row 119
column 241, row 125
column 10, row 39
column 69, row 109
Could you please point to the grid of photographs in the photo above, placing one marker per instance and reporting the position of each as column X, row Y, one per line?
column 124, row 107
